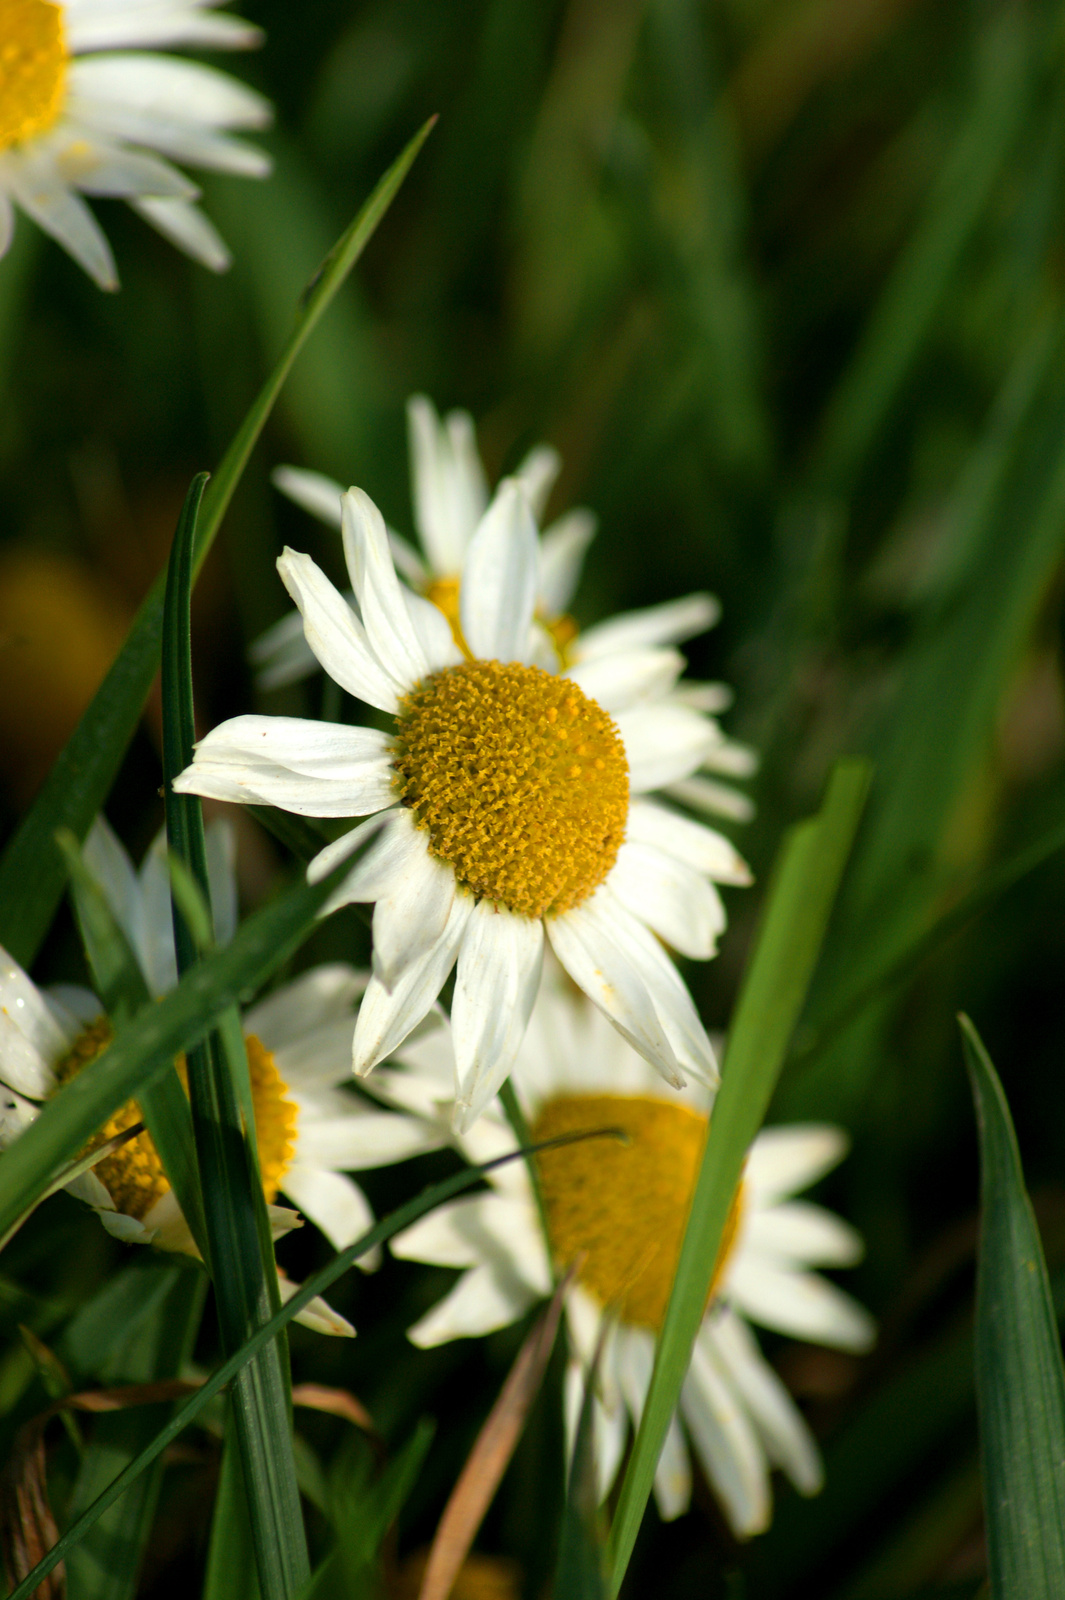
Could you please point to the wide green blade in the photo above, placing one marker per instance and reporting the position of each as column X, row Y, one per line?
column 239, row 1246
column 1020, row 1381
column 31, row 873
column 774, row 991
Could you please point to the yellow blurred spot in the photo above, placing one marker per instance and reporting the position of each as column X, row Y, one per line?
column 33, row 68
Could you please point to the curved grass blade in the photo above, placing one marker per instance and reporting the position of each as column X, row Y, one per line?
column 796, row 915
column 31, row 874
column 1020, row 1380
column 234, row 1206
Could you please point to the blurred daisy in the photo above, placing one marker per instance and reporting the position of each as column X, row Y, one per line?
column 619, row 1211
column 309, row 1134
column 510, row 802
column 450, row 495
column 85, row 108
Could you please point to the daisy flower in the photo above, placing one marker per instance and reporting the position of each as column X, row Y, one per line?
column 309, row 1133
column 86, row 108
column 619, row 1211
column 510, row 802
column 449, row 491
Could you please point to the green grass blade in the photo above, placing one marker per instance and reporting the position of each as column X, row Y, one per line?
column 379, row 1234
column 234, row 1207
column 148, row 1045
column 231, row 1555
column 579, row 1574
column 31, row 873
column 1020, row 1381
column 797, row 910
column 124, row 992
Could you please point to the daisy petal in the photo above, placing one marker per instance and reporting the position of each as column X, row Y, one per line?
column 340, row 849
column 315, row 769
column 336, row 635
column 700, row 847
column 313, row 491
column 373, row 577
column 36, row 188
column 479, row 1303
column 703, row 794
column 582, row 940
column 787, row 1440
column 387, row 1016
column 30, row 1037
column 799, row 1303
column 410, row 917
column 680, row 905
column 783, row 1161
column 804, row 1234
column 663, row 743
column 107, row 27
column 447, row 483
column 562, row 549
column 317, row 1314
column 16, row 1114
column 496, row 985
column 282, row 654
column 618, row 681
column 324, row 995
column 433, row 632
column 499, row 579
column 537, row 474
column 186, row 226
column 335, row 1204
column 671, row 623
column 169, row 89
column 358, row 1140
column 726, row 1443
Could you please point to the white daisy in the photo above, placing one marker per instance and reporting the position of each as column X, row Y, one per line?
column 309, row 1133
column 449, row 491
column 87, row 106
column 619, row 1211
column 510, row 801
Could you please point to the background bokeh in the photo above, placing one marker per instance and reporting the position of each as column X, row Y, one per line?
column 784, row 282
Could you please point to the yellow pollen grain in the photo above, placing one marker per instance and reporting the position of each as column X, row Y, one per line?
column 133, row 1176
column 620, row 1209
column 33, row 68
column 484, row 759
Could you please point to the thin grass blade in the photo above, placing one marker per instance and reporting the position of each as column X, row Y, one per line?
column 580, row 1574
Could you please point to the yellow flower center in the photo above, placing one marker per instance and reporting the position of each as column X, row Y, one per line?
column 621, row 1209
column 133, row 1176
column 33, row 68
column 519, row 779
column 444, row 593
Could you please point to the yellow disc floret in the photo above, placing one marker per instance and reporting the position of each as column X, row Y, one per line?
column 620, row 1209
column 519, row 779
column 133, row 1175
column 33, row 68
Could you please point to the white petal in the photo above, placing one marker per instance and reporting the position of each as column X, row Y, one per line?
column 784, row 1160
column 333, row 1203
column 703, row 794
column 186, row 227
column 389, row 629
column 537, row 474
column 317, row 1314
column 618, row 681
column 336, row 635
column 386, row 1017
column 109, row 863
column 35, row 187
column 726, row 1443
column 609, row 1426
column 479, row 1303
column 732, row 759
column 16, row 1114
column 72, row 1007
column 324, row 995
column 128, row 1229
column 500, row 578
column 22, row 1065
column 663, row 743
column 802, row 1233
column 362, row 1140
column 410, row 916
column 28, row 1011
column 799, row 1303
column 108, row 27
column 680, row 905
column 671, row 623
column 312, row 490
column 702, row 848
column 709, row 697
column 433, row 632
column 346, row 845
column 282, row 654
column 582, row 941
column 168, row 88
column 447, row 484
column 100, row 167
column 385, row 865
column 785, row 1435
column 562, row 549
column 316, row 769
column 407, row 562
column 496, row 985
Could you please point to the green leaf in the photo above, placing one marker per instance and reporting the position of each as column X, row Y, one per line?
column 579, row 1574
column 798, row 905
column 239, row 1246
column 231, row 1554
column 31, row 873
column 382, row 1231
column 1020, row 1380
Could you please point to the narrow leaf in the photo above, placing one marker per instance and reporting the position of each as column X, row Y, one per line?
column 774, row 990
column 1020, row 1381
column 580, row 1574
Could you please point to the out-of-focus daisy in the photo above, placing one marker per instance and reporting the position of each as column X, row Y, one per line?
column 309, row 1133
column 511, row 802
column 618, row 1210
column 87, row 107
column 449, row 491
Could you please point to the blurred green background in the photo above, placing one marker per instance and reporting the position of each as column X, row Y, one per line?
column 783, row 282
